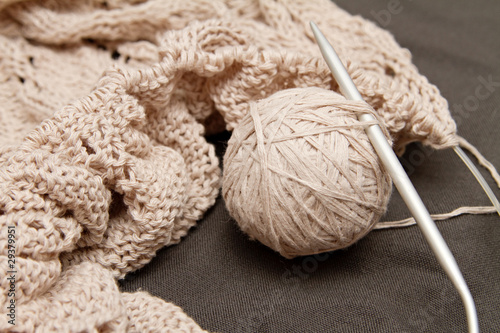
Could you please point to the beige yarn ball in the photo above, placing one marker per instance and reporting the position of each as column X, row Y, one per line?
column 300, row 174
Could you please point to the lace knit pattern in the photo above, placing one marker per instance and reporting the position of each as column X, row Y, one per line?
column 103, row 110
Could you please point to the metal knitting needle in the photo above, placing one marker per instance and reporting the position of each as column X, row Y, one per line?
column 479, row 177
column 401, row 181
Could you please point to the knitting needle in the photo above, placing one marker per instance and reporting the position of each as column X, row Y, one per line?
column 479, row 177
column 401, row 180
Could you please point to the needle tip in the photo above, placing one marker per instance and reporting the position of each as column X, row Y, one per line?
column 315, row 30
column 321, row 40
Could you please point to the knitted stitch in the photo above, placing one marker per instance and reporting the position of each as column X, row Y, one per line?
column 98, row 174
column 267, row 46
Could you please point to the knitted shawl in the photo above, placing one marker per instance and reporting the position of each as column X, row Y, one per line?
column 104, row 109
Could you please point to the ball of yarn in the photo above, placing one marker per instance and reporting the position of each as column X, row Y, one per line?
column 300, row 174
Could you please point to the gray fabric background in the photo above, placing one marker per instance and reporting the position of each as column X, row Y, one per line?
column 390, row 280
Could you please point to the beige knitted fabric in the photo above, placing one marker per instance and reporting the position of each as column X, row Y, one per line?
column 103, row 110
column 85, row 298
column 261, row 46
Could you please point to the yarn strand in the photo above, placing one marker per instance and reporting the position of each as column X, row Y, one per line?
column 464, row 209
column 436, row 217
